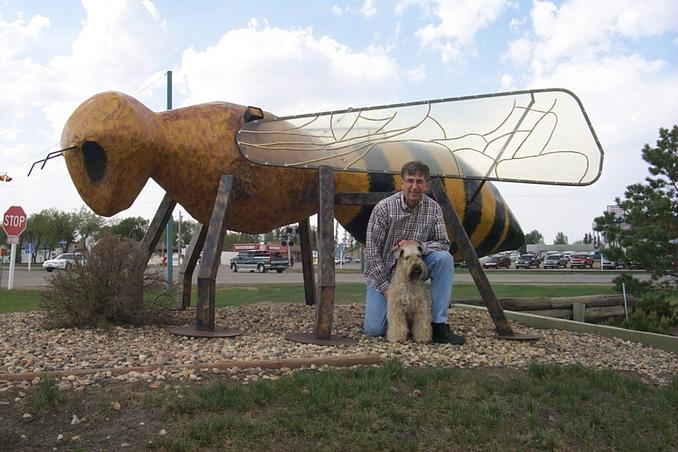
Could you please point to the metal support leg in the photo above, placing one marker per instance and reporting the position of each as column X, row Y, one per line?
column 188, row 266
column 152, row 237
column 307, row 261
column 157, row 225
column 322, row 334
column 209, row 266
column 466, row 247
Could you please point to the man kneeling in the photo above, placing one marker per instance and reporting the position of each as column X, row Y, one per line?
column 409, row 217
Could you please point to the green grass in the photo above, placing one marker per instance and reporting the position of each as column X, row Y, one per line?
column 20, row 300
column 355, row 292
column 545, row 407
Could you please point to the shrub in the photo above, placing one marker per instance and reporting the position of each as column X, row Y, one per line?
column 653, row 311
column 108, row 289
column 651, row 322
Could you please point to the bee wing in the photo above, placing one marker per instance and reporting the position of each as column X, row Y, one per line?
column 536, row 136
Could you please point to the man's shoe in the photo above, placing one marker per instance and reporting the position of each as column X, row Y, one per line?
column 442, row 334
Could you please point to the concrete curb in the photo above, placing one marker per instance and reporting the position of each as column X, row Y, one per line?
column 662, row 341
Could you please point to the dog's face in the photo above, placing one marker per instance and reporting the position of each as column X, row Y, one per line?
column 410, row 257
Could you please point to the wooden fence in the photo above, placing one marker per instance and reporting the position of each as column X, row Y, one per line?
column 592, row 309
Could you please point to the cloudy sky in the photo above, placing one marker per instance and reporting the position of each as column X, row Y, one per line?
column 619, row 56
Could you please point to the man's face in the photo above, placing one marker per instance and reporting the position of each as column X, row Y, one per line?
column 414, row 186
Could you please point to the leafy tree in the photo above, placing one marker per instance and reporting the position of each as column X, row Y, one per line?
column 533, row 237
column 65, row 227
column 89, row 224
column 647, row 232
column 561, row 239
column 187, row 229
column 48, row 227
column 131, row 227
column 37, row 232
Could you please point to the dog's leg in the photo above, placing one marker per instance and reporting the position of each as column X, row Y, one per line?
column 397, row 323
column 421, row 327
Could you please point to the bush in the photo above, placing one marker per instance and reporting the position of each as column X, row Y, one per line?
column 653, row 311
column 106, row 290
column 651, row 322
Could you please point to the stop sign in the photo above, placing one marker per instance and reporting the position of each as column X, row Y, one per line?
column 14, row 221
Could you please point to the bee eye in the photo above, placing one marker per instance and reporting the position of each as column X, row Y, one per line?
column 95, row 161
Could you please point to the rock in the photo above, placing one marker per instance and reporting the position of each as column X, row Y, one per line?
column 27, row 417
column 162, row 432
column 75, row 420
column 60, row 437
column 116, row 406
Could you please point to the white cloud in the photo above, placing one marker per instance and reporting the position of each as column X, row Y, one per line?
column 587, row 30
column 460, row 21
column 507, row 82
column 248, row 66
column 367, row 9
column 517, row 24
column 519, row 51
column 416, row 74
column 14, row 34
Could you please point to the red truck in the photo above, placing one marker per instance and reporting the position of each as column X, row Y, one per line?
column 581, row 261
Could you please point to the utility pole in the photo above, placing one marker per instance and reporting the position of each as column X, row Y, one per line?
column 169, row 229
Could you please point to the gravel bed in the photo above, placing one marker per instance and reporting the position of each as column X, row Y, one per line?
column 26, row 347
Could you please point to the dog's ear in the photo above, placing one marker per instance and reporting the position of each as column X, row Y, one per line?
column 402, row 252
column 421, row 250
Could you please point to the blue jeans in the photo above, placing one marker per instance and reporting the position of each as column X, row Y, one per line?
column 441, row 271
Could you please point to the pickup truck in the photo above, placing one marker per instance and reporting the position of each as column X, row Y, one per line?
column 261, row 261
column 581, row 261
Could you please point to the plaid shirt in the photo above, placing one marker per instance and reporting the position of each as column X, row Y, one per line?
column 392, row 221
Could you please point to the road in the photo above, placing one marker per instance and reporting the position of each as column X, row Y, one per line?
column 351, row 274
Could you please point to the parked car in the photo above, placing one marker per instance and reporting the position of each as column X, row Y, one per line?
column 581, row 261
column 634, row 265
column 261, row 261
column 608, row 264
column 497, row 262
column 554, row 261
column 527, row 261
column 64, row 261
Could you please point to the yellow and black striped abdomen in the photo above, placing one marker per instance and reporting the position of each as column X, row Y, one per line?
column 487, row 219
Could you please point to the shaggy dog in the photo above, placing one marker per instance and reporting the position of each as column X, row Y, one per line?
column 408, row 299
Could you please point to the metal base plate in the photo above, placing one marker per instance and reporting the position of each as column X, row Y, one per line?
column 520, row 337
column 309, row 338
column 192, row 331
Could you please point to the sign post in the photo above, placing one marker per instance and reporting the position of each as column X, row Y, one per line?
column 29, row 251
column 14, row 223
